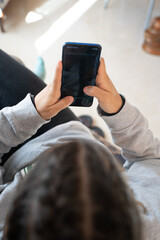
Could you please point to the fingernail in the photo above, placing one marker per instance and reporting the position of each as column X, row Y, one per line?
column 59, row 65
column 87, row 89
column 70, row 98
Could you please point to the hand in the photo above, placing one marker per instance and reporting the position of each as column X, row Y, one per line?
column 47, row 101
column 109, row 99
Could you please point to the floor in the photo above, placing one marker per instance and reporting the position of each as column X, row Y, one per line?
column 40, row 27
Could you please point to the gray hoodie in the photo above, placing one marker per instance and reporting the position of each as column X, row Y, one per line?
column 129, row 130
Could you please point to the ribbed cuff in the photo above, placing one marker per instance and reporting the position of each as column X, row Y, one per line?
column 124, row 118
column 103, row 113
column 26, row 115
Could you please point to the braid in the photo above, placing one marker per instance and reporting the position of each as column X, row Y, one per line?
column 115, row 214
column 77, row 194
column 85, row 195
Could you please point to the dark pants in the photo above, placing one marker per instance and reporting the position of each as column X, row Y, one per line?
column 15, row 82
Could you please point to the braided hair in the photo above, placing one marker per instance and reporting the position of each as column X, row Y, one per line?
column 77, row 194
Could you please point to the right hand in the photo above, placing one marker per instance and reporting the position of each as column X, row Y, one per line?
column 109, row 99
column 48, row 102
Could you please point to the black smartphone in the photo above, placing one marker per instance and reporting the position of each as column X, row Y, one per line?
column 80, row 66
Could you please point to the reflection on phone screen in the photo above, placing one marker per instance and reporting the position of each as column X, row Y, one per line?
column 80, row 66
column 79, row 71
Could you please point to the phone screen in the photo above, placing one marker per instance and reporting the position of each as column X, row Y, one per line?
column 80, row 66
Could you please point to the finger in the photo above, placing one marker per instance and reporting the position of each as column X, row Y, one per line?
column 63, row 103
column 102, row 75
column 102, row 67
column 57, row 77
column 103, row 81
column 95, row 92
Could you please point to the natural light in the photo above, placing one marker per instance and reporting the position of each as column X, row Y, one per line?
column 33, row 17
column 46, row 9
column 60, row 26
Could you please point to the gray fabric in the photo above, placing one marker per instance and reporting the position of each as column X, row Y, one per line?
column 17, row 124
column 141, row 150
column 129, row 130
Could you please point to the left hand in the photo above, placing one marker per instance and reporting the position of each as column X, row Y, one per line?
column 108, row 97
column 47, row 102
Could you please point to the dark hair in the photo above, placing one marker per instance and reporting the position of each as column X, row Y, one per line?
column 77, row 194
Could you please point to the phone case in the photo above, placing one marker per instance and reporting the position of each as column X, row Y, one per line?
column 80, row 67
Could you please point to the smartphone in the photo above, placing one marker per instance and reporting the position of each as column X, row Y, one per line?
column 80, row 66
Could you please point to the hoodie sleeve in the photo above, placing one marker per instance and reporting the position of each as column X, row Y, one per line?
column 130, row 131
column 18, row 123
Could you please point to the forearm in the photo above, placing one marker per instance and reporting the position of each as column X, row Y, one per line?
column 18, row 123
column 130, row 131
column 128, row 127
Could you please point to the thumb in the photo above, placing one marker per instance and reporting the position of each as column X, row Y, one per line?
column 63, row 103
column 94, row 92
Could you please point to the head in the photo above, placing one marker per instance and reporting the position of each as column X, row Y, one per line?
column 77, row 194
